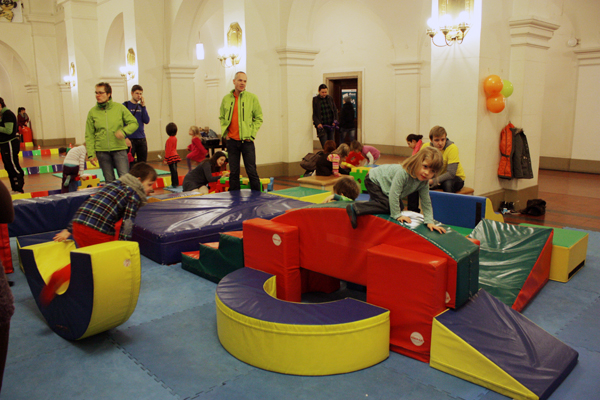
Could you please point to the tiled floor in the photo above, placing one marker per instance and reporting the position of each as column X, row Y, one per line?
column 572, row 198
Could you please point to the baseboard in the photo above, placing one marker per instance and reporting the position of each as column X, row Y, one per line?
column 54, row 142
column 570, row 165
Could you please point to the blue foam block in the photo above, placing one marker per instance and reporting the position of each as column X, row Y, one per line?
column 165, row 229
column 457, row 209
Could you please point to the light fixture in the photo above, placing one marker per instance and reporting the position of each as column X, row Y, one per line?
column 199, row 51
column 452, row 29
column 71, row 80
column 128, row 71
column 230, row 55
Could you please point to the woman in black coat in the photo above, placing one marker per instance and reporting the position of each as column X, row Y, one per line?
column 202, row 175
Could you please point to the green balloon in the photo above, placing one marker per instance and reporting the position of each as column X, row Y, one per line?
column 507, row 88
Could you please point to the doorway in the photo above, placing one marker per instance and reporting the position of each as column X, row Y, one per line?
column 346, row 83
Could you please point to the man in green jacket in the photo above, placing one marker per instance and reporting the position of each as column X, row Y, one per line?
column 107, row 125
column 241, row 117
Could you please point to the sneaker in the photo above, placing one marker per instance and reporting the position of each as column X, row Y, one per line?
column 352, row 214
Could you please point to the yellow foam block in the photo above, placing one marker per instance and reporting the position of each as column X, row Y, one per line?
column 316, row 198
column 565, row 260
column 299, row 349
column 29, row 145
column 21, row 196
column 489, row 212
column 3, row 173
column 54, row 151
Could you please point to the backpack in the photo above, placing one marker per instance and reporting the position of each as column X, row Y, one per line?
column 309, row 161
column 535, row 207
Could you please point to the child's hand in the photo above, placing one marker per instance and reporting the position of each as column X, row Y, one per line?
column 62, row 236
column 404, row 218
column 328, row 199
column 437, row 228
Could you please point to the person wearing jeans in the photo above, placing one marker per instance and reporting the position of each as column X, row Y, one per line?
column 107, row 125
column 241, row 117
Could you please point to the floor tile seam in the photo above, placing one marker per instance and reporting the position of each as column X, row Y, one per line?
column 577, row 315
column 142, row 366
column 165, row 316
column 221, row 384
column 418, row 381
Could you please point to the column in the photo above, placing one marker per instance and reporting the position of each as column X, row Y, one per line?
column 529, row 45
column 213, row 101
column 296, row 99
column 584, row 156
column 180, row 79
column 407, row 89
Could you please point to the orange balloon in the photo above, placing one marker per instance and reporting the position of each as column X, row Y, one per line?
column 496, row 103
column 492, row 85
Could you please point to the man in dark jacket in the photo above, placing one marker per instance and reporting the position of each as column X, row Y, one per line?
column 10, row 145
column 324, row 114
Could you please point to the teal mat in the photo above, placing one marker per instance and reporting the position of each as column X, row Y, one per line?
column 100, row 175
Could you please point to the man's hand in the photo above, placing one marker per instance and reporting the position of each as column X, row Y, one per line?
column 142, row 102
column 119, row 135
column 128, row 142
column 404, row 218
column 437, row 228
column 320, row 126
column 62, row 236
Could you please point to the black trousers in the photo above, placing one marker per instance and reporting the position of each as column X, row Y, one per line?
column 235, row 149
column 139, row 149
column 10, row 159
column 174, row 175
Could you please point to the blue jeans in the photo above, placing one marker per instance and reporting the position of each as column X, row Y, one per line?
column 324, row 134
column 235, row 148
column 351, row 132
column 109, row 160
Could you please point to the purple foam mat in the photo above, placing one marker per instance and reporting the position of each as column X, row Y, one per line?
column 166, row 229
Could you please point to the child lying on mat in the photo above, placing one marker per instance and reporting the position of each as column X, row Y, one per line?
column 345, row 189
column 99, row 217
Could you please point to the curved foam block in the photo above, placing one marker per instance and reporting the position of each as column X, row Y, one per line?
column 297, row 338
column 103, row 290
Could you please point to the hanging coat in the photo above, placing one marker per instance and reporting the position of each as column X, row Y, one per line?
column 515, row 161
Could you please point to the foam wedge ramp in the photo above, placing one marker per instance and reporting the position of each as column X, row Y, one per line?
column 102, row 292
column 490, row 344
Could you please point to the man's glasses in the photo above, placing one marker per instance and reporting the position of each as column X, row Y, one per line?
column 100, row 92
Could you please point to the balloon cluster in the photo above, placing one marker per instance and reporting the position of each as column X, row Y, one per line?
column 497, row 90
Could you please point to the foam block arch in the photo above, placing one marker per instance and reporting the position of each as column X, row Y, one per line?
column 103, row 290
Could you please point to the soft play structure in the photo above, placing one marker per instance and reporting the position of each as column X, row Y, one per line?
column 215, row 260
column 462, row 210
column 514, row 261
column 44, row 214
column 492, row 345
column 166, row 229
column 427, row 281
column 415, row 274
column 102, row 292
column 297, row 338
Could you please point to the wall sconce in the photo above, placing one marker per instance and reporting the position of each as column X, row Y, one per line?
column 230, row 55
column 128, row 72
column 453, row 22
column 71, row 80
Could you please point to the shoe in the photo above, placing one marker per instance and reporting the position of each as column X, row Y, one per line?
column 352, row 214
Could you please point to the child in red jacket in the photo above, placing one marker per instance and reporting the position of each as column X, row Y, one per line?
column 171, row 156
column 197, row 150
